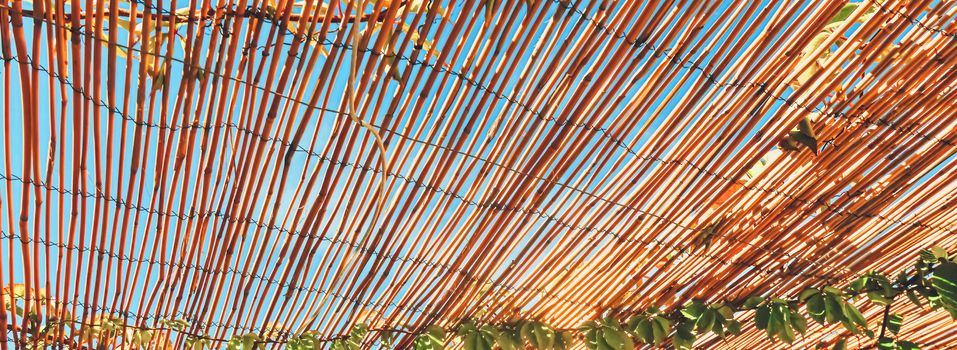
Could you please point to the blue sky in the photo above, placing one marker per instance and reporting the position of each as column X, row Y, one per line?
column 324, row 122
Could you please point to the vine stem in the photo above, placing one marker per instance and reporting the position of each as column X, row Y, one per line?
column 887, row 311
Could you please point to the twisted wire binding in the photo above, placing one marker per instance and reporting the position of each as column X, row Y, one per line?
column 541, row 214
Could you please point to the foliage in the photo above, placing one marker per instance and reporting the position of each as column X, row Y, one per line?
column 932, row 281
column 247, row 341
column 432, row 339
column 650, row 327
column 306, row 340
column 354, row 340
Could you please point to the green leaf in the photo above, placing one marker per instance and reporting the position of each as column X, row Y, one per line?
column 798, row 322
column 633, row 322
column 718, row 328
column 644, row 331
column 840, row 345
column 761, row 317
column 806, row 140
column 939, row 253
column 479, row 341
column 432, row 339
column 361, row 329
column 706, row 320
column 466, row 328
column 887, row 288
column 195, row 343
column 878, row 298
column 159, row 80
column 927, row 256
column 468, row 341
column 832, row 309
column 591, row 338
column 808, row 293
column 683, row 338
column 944, row 282
column 752, row 301
column 602, row 345
column 850, row 327
column 387, row 338
column 436, row 332
column 775, row 322
column 781, row 323
column 786, row 333
column 951, row 310
column 885, row 343
column 144, row 337
column 235, row 343
column 734, row 327
column 894, row 322
column 249, row 341
column 858, row 284
column 725, row 311
column 844, row 13
column 906, row 345
column 564, row 340
column 617, row 339
column 912, row 296
column 816, row 308
column 538, row 334
column 586, row 325
column 611, row 321
column 660, row 327
column 526, row 331
column 833, row 291
column 693, row 310
column 853, row 314
column 507, row 340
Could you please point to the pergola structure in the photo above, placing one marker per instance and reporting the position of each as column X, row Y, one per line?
column 207, row 169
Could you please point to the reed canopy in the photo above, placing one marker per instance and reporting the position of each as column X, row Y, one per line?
column 478, row 174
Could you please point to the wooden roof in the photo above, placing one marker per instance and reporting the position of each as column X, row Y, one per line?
column 304, row 165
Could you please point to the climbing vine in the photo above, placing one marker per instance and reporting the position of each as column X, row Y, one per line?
column 931, row 282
